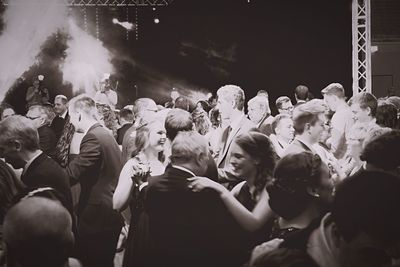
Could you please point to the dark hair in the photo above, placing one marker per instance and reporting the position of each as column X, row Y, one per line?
column 281, row 100
column 368, row 202
column 215, row 117
column 301, row 92
column 365, row 100
column 204, row 105
column 182, row 103
column 293, row 174
column 381, row 151
column 283, row 257
column 177, row 120
column 201, row 121
column 3, row 107
column 126, row 114
column 258, row 146
column 386, row 115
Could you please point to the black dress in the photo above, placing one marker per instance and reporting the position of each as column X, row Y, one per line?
column 250, row 240
column 137, row 243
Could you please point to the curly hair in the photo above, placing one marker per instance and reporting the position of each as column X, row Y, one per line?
column 293, row 174
column 258, row 146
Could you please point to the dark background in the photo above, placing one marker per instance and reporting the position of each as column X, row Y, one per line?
column 202, row 45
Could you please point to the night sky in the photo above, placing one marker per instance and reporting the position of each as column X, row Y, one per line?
column 202, row 45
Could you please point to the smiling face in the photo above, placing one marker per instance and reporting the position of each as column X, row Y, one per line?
column 157, row 136
column 286, row 108
column 360, row 114
column 285, row 129
column 243, row 165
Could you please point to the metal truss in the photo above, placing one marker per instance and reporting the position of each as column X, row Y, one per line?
column 98, row 2
column 361, row 14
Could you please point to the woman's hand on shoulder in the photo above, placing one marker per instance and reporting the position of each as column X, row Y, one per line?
column 199, row 183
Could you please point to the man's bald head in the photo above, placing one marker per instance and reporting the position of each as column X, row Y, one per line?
column 38, row 232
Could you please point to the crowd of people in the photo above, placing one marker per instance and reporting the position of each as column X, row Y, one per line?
column 210, row 185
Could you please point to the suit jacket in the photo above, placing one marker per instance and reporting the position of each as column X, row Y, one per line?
column 244, row 126
column 47, row 140
column 297, row 147
column 188, row 228
column 265, row 125
column 121, row 132
column 57, row 125
column 97, row 169
column 45, row 172
column 223, row 160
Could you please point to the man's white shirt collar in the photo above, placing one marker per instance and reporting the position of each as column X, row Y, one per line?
column 236, row 121
column 64, row 114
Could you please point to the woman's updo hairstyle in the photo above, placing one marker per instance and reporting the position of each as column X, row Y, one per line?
column 260, row 148
column 293, row 174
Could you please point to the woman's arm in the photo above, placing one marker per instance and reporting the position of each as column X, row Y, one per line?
column 123, row 191
column 249, row 220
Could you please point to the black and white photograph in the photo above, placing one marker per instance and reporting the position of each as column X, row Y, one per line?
column 199, row 133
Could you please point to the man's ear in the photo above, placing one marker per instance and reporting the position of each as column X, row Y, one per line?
column 201, row 159
column 368, row 110
column 307, row 126
column 17, row 145
column 312, row 191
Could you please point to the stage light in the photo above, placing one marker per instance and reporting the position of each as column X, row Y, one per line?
column 115, row 21
column 156, row 21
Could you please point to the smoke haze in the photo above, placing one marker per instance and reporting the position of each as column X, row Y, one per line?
column 28, row 24
column 86, row 60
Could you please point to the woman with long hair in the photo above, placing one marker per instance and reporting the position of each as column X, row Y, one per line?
column 147, row 160
column 253, row 160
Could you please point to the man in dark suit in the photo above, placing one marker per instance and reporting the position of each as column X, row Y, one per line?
column 97, row 169
column 41, row 118
column 20, row 145
column 179, row 120
column 308, row 123
column 188, row 228
column 230, row 104
column 126, row 121
column 61, row 110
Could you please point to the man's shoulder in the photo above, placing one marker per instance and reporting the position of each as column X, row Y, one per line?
column 294, row 148
column 45, row 166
